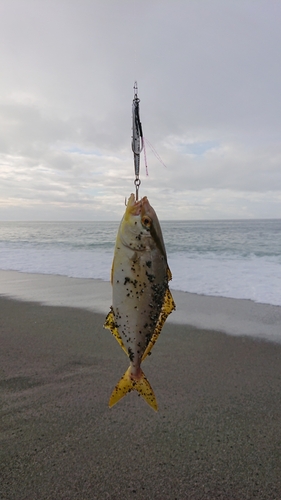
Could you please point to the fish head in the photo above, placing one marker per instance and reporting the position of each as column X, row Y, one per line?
column 140, row 228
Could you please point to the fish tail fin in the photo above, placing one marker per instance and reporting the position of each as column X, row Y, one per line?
column 127, row 384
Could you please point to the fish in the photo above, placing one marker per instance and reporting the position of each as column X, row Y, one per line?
column 141, row 299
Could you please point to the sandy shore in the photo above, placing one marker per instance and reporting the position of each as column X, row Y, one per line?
column 217, row 434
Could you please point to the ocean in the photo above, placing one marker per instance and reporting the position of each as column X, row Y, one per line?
column 239, row 259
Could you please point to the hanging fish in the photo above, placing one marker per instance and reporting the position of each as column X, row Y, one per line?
column 141, row 298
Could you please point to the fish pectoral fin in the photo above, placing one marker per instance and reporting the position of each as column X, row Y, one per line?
column 127, row 384
column 167, row 307
column 112, row 272
column 111, row 325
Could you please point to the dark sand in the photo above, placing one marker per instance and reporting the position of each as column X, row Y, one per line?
column 217, row 434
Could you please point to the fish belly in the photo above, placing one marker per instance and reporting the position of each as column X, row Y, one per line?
column 139, row 286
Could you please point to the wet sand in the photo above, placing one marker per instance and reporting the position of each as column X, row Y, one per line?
column 217, row 434
column 233, row 316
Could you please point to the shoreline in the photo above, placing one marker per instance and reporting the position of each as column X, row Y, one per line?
column 216, row 435
column 239, row 317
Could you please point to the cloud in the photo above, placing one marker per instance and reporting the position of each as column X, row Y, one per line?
column 209, row 83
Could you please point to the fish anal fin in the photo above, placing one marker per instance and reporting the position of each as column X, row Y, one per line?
column 167, row 307
column 127, row 384
column 111, row 325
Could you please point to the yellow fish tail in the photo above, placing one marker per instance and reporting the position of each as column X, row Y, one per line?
column 127, row 384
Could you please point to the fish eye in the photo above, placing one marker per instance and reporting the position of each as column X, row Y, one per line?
column 146, row 221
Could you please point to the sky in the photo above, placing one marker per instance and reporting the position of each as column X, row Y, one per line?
column 209, row 80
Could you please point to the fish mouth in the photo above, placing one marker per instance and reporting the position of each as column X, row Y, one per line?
column 136, row 207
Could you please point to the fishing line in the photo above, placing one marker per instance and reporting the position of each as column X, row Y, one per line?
column 145, row 159
column 154, row 152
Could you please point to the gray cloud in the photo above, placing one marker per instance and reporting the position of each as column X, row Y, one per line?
column 209, row 82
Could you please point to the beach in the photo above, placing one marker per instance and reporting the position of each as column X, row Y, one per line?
column 217, row 433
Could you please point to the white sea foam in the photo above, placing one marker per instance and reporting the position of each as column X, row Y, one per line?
column 72, row 263
column 255, row 278
column 229, row 259
column 258, row 279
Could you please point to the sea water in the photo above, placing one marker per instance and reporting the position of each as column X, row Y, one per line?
column 238, row 259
